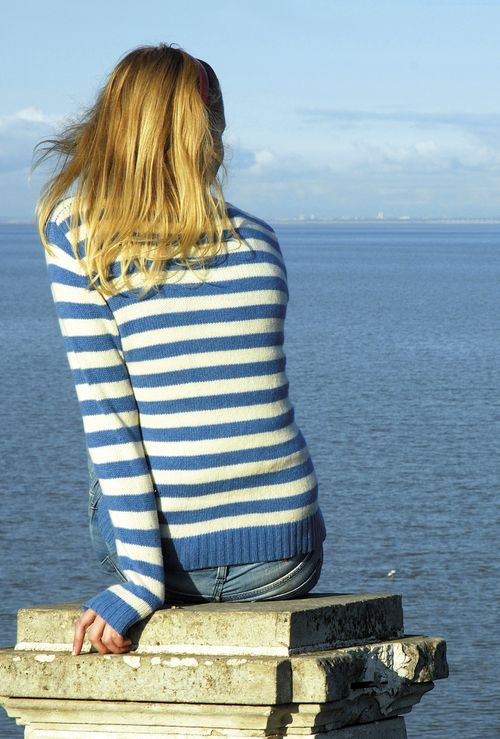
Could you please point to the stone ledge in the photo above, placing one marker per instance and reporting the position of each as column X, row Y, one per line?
column 109, row 720
column 272, row 628
column 162, row 678
column 319, row 677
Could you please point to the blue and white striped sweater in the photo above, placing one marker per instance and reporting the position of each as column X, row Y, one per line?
column 186, row 413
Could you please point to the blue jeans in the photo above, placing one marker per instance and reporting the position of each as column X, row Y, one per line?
column 275, row 580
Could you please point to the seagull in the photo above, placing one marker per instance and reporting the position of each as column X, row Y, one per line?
column 391, row 573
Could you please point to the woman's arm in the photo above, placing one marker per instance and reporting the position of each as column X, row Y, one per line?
column 112, row 431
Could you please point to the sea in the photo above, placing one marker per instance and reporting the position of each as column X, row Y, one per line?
column 392, row 340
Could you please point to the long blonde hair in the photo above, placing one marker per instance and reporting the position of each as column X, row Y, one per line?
column 146, row 157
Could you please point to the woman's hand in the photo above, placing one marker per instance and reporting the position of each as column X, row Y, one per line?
column 102, row 636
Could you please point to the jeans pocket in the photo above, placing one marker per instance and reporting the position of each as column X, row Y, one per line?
column 271, row 580
column 299, row 583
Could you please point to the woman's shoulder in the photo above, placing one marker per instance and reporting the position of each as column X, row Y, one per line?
column 56, row 226
column 256, row 232
column 243, row 219
column 59, row 233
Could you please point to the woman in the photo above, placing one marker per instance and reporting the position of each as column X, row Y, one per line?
column 172, row 303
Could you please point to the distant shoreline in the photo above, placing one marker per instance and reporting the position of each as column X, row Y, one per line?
column 334, row 221
column 327, row 221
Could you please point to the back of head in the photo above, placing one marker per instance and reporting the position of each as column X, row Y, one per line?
column 145, row 157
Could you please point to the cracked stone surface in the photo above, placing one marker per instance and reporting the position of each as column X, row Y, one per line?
column 328, row 676
column 263, row 670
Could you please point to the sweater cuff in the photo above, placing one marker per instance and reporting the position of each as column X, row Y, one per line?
column 116, row 611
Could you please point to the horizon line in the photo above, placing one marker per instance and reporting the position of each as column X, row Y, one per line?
column 4, row 220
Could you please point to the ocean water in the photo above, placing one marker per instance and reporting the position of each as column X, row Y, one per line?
column 393, row 357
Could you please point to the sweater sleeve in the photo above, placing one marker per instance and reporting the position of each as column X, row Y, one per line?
column 112, row 432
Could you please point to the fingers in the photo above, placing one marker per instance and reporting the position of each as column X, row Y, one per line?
column 83, row 622
column 115, row 641
column 95, row 635
column 101, row 635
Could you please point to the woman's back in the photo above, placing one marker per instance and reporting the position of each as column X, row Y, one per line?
column 185, row 403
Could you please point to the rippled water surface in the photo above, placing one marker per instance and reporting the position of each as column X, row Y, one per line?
column 393, row 356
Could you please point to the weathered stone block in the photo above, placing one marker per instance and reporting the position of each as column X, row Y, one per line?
column 145, row 677
column 324, row 621
column 333, row 675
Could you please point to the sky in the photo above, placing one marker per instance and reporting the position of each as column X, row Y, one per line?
column 334, row 108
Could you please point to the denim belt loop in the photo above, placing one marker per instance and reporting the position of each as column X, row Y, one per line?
column 220, row 579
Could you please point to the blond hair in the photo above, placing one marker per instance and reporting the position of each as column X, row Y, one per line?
column 146, row 157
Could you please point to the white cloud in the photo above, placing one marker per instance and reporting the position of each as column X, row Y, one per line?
column 30, row 115
column 264, row 159
column 426, row 148
column 400, row 174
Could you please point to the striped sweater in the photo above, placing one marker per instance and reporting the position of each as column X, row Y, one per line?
column 186, row 413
